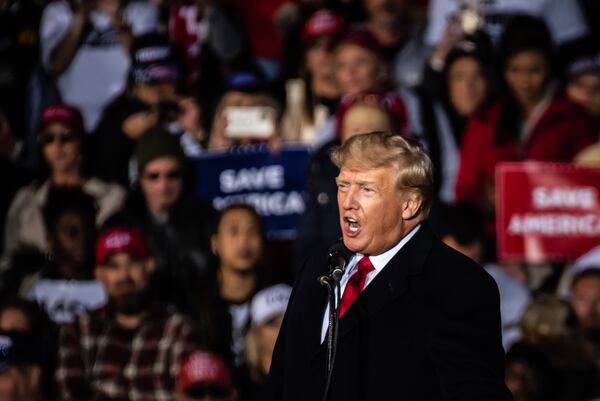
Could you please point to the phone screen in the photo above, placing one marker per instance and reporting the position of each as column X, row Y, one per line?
column 250, row 122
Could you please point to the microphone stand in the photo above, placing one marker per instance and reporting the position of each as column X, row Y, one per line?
column 332, row 282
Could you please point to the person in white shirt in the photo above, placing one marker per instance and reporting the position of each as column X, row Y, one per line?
column 84, row 44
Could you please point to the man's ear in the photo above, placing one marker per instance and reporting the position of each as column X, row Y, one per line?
column 213, row 245
column 34, row 376
column 98, row 273
column 150, row 265
column 411, row 206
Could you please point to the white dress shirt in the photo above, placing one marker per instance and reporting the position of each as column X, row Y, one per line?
column 379, row 263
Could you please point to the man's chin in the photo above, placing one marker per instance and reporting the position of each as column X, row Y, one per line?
column 168, row 202
column 132, row 303
column 353, row 245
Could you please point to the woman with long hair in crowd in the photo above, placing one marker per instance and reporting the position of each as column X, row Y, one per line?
column 532, row 120
column 464, row 88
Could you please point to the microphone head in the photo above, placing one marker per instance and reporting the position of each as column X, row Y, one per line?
column 338, row 254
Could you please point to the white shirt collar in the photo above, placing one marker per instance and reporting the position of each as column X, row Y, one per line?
column 379, row 261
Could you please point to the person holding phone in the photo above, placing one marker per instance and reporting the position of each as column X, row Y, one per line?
column 151, row 98
column 247, row 113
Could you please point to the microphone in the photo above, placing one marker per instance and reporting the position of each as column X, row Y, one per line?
column 337, row 258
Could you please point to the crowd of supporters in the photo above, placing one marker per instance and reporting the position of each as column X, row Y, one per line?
column 118, row 283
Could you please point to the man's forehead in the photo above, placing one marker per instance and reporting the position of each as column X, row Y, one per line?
column 121, row 256
column 364, row 174
column 162, row 163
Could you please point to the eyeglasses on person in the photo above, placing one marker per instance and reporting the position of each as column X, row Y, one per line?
column 46, row 138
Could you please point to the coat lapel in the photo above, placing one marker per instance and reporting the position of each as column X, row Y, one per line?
column 389, row 284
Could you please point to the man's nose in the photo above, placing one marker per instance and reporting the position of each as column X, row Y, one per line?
column 349, row 200
column 124, row 272
column 162, row 183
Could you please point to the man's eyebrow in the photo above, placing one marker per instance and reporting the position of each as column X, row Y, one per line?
column 362, row 183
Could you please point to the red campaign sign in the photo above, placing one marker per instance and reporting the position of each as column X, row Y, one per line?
column 546, row 211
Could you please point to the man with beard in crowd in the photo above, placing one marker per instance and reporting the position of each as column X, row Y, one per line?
column 132, row 348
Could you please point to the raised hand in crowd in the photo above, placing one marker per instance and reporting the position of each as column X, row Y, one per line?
column 64, row 52
column 453, row 34
column 190, row 118
column 135, row 125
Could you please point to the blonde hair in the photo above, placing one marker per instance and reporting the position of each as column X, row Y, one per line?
column 385, row 149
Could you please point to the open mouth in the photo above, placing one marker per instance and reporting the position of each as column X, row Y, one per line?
column 351, row 226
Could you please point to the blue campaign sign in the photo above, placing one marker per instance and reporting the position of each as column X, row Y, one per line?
column 272, row 182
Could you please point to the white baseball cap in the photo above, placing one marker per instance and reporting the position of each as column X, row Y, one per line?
column 269, row 303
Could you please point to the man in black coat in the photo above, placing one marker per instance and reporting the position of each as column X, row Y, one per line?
column 419, row 321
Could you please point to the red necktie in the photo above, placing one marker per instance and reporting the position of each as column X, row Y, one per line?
column 355, row 284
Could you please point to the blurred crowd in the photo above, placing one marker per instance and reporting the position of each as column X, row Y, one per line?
column 117, row 283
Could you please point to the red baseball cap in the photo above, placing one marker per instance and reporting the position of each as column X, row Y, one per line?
column 323, row 22
column 204, row 368
column 120, row 239
column 62, row 113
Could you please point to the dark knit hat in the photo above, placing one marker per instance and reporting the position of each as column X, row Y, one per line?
column 157, row 142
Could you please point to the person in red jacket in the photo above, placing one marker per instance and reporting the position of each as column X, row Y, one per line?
column 533, row 120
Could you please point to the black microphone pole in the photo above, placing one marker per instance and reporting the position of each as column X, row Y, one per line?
column 337, row 258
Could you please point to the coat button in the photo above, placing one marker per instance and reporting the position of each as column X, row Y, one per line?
column 322, row 198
